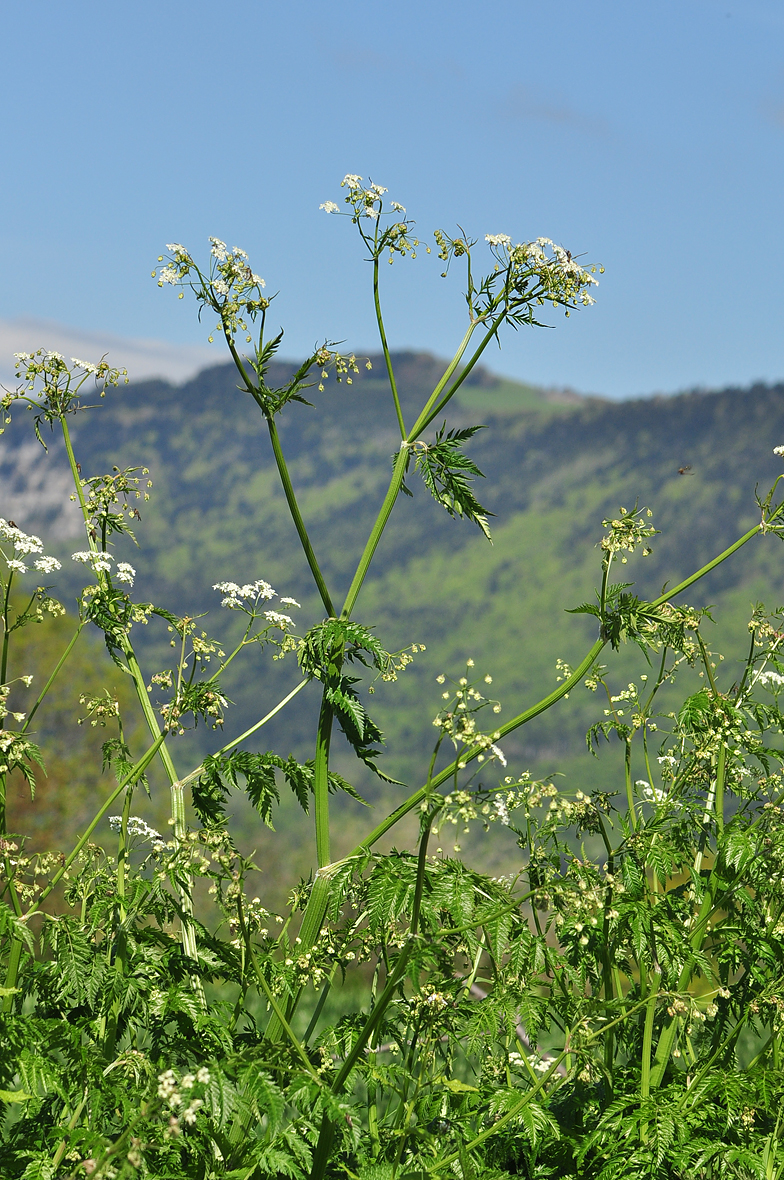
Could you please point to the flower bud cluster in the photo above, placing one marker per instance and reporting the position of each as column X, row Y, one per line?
column 342, row 366
column 458, row 720
column 51, row 388
column 110, row 499
column 100, row 709
column 627, row 531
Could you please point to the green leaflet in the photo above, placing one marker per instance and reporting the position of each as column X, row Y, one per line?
column 448, row 474
column 222, row 773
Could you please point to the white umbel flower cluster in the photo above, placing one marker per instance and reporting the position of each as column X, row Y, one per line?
column 544, row 255
column 138, row 827
column 236, row 596
column 25, row 545
column 247, row 598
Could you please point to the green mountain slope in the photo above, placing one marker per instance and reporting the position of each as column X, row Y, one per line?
column 554, row 469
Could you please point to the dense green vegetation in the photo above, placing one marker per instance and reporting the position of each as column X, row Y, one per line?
column 592, row 991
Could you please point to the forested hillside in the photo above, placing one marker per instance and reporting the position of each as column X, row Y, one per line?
column 555, row 464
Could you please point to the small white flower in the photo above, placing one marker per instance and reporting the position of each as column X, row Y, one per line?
column 501, row 810
column 190, row 1114
column 51, row 355
column 351, row 180
column 330, row 207
column 23, row 543
column 125, row 572
column 289, row 602
column 220, row 287
column 175, row 248
column 398, row 208
column 499, row 754
column 19, row 567
column 167, row 1084
column 47, row 565
column 99, row 561
column 239, row 253
column 168, row 274
column 86, row 365
column 498, row 239
column 278, row 620
column 138, row 827
column 219, row 249
column 203, row 1076
column 778, row 450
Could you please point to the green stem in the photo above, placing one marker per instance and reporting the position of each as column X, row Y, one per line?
column 133, row 775
column 120, row 944
column 321, row 781
column 194, row 774
column 647, row 1036
column 398, row 474
column 296, row 516
column 706, row 569
column 319, row 1007
column 265, row 987
column 55, row 673
column 707, row 665
column 605, row 578
column 6, row 633
column 385, row 349
column 267, row 717
column 122, row 849
column 450, row 393
column 423, row 418
column 312, row 921
column 627, row 765
column 285, row 478
column 177, row 801
column 720, row 775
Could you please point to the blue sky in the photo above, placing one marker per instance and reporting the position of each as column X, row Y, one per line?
column 646, row 136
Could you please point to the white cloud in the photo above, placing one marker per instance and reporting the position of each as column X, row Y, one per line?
column 142, row 358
